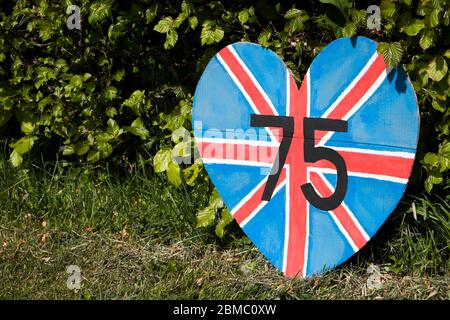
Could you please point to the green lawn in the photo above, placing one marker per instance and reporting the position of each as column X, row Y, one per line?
column 134, row 237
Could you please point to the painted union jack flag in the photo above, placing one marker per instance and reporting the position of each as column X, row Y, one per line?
column 310, row 174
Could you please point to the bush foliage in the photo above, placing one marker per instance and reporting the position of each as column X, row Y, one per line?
column 123, row 84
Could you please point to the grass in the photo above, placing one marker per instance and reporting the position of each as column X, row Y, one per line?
column 134, row 237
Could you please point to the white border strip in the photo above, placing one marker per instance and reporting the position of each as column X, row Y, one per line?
column 252, row 77
column 343, row 231
column 351, row 85
column 400, row 154
column 306, row 252
column 256, row 143
column 237, row 162
column 362, row 175
column 288, row 92
column 241, row 87
column 350, row 213
column 308, row 94
column 357, row 105
column 286, row 223
column 263, row 203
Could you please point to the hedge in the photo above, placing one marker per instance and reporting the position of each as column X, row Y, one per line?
column 123, row 83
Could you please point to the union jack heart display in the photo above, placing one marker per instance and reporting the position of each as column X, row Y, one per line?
column 310, row 174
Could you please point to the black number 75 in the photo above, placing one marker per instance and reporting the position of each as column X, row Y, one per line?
column 311, row 154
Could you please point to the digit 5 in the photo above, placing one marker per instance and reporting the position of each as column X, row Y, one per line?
column 313, row 154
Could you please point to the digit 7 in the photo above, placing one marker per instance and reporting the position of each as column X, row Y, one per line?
column 311, row 154
column 287, row 124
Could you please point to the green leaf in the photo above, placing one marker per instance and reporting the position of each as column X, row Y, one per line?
column 187, row 7
column 110, row 93
column 82, row 148
column 99, row 11
column 428, row 185
column 296, row 20
column 264, row 38
column 215, row 200
column 93, row 156
column 179, row 20
column 111, row 112
column 444, row 163
column 162, row 160
column 431, row 159
column 103, row 137
column 138, row 129
column 293, row 13
column 388, row 9
column 76, row 81
column 358, row 17
column 118, row 30
column 86, row 76
column 427, row 39
column 438, row 105
column 193, row 22
column 137, row 102
column 211, row 33
column 164, row 25
column 432, row 19
column 180, row 134
column 436, row 178
column 118, row 76
column 27, row 127
column 447, row 53
column 413, row 28
column 191, row 173
column 349, row 29
column 243, row 16
column 174, row 174
column 46, row 29
column 342, row 5
column 225, row 219
column 392, row 53
column 206, row 217
column 15, row 158
column 113, row 128
column 151, row 13
column 171, row 40
column 105, row 149
column 68, row 150
column 444, row 149
column 437, row 68
column 23, row 145
column 218, row 34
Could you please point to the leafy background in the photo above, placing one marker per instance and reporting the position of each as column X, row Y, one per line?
column 118, row 93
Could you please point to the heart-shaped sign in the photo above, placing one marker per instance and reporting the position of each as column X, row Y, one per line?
column 310, row 174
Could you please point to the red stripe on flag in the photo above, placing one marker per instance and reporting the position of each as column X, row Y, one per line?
column 255, row 201
column 340, row 212
column 387, row 165
column 245, row 80
column 356, row 93
column 297, row 242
